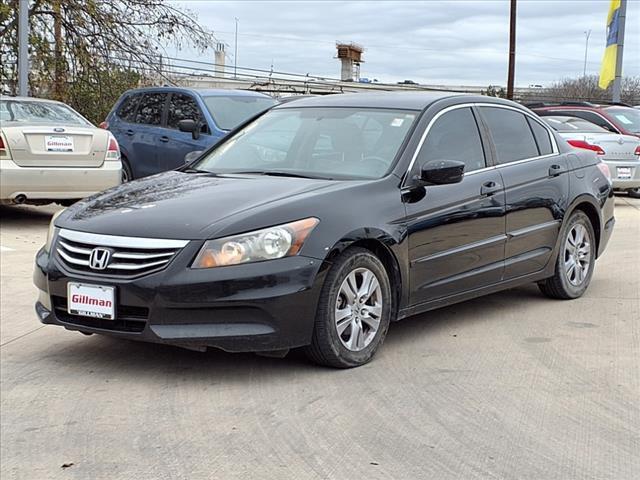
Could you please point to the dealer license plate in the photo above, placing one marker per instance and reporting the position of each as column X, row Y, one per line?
column 95, row 301
column 624, row 173
column 58, row 143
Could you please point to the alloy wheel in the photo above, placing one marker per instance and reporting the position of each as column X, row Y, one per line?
column 577, row 254
column 358, row 309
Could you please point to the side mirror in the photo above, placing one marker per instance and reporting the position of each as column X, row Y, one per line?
column 192, row 156
column 441, row 172
column 189, row 125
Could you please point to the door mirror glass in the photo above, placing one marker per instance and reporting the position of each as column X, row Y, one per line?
column 189, row 125
column 442, row 172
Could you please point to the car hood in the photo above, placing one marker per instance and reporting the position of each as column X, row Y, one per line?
column 188, row 206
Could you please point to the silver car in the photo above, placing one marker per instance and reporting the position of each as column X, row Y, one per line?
column 51, row 153
column 620, row 152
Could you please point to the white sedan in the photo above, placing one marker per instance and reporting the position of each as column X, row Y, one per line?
column 620, row 152
column 51, row 153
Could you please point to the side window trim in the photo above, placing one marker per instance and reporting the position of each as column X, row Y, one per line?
column 554, row 143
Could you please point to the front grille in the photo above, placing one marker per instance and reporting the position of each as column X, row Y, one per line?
column 128, row 256
column 128, row 318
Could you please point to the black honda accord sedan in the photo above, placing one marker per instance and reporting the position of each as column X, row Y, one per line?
column 322, row 221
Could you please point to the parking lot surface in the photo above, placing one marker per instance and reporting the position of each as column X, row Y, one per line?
column 509, row 386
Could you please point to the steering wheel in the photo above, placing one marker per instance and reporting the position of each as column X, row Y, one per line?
column 382, row 164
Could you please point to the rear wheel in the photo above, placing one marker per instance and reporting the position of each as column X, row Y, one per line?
column 576, row 259
column 354, row 311
column 126, row 171
column 634, row 192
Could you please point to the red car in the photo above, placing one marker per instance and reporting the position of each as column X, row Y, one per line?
column 615, row 118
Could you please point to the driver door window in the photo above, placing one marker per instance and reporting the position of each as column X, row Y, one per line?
column 454, row 136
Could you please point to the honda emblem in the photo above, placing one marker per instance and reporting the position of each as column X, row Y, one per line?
column 99, row 258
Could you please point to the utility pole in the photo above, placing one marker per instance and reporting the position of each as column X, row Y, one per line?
column 235, row 54
column 617, row 82
column 58, row 78
column 512, row 50
column 23, row 47
column 586, row 49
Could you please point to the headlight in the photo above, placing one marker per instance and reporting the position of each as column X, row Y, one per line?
column 266, row 244
column 51, row 233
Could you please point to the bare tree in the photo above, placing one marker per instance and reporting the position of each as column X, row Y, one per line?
column 585, row 89
column 85, row 52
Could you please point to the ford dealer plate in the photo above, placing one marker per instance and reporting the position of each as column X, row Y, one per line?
column 95, row 301
column 58, row 143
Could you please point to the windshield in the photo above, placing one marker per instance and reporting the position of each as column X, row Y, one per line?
column 343, row 143
column 569, row 124
column 229, row 112
column 39, row 112
column 627, row 118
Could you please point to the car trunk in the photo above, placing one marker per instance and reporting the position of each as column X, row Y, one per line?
column 48, row 146
column 616, row 147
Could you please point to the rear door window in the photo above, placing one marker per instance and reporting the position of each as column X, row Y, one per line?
column 541, row 134
column 151, row 108
column 184, row 107
column 127, row 109
column 454, row 136
column 512, row 136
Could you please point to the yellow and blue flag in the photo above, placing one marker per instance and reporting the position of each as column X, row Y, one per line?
column 608, row 68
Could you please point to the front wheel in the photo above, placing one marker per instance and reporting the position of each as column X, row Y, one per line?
column 576, row 259
column 354, row 311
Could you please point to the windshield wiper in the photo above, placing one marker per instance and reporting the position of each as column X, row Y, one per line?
column 276, row 173
column 195, row 170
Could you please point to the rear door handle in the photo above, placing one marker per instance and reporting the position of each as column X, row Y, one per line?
column 164, row 139
column 129, row 132
column 489, row 188
column 555, row 170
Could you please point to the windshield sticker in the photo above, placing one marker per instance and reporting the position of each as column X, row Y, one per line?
column 397, row 122
column 624, row 119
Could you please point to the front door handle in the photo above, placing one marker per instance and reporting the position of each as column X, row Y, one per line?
column 164, row 139
column 489, row 188
column 555, row 170
column 129, row 132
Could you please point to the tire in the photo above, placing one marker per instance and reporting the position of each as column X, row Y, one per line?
column 634, row 192
column 127, row 176
column 568, row 283
column 358, row 339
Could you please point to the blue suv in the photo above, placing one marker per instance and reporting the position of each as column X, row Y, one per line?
column 156, row 127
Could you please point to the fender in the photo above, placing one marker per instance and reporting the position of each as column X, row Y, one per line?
column 390, row 246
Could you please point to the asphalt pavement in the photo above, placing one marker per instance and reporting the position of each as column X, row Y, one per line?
column 509, row 386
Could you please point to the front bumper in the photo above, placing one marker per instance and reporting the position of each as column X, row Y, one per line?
column 254, row 307
column 56, row 183
column 624, row 183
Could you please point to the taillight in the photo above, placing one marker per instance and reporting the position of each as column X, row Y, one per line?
column 104, row 125
column 637, row 152
column 113, row 150
column 4, row 151
column 604, row 168
column 586, row 146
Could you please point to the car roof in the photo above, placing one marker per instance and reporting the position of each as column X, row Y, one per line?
column 396, row 100
column 203, row 92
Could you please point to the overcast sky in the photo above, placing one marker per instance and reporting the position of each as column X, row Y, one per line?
column 433, row 42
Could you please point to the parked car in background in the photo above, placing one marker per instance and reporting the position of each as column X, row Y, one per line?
column 51, row 153
column 614, row 118
column 620, row 152
column 156, row 127
column 323, row 220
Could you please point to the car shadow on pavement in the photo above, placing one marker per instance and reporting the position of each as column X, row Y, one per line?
column 127, row 358
column 18, row 216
